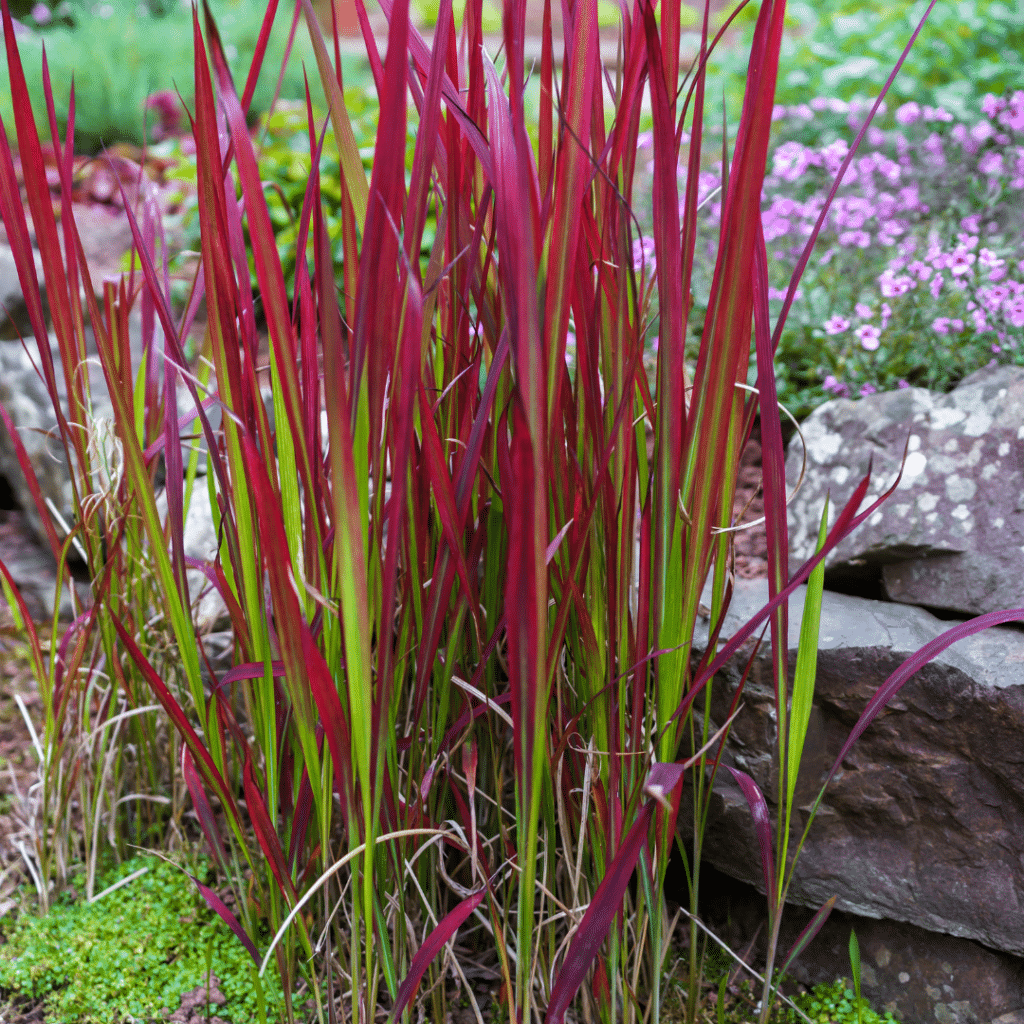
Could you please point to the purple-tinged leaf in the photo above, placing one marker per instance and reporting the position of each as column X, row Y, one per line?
column 218, row 906
column 593, row 929
column 432, row 945
column 763, row 829
column 266, row 834
column 207, row 820
column 803, row 939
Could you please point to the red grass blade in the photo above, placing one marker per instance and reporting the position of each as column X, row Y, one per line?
column 607, row 900
column 207, row 821
column 432, row 945
column 803, row 939
column 218, row 906
column 763, row 829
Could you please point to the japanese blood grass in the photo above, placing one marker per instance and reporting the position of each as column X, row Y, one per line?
column 447, row 540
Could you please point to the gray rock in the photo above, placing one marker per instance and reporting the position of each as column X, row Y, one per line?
column 28, row 403
column 24, row 395
column 916, row 975
column 925, row 822
column 952, row 535
column 209, row 613
column 13, row 313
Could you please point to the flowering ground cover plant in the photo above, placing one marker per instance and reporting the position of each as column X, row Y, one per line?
column 462, row 588
column 919, row 274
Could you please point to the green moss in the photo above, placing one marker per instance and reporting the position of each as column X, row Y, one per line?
column 131, row 954
column 835, row 1004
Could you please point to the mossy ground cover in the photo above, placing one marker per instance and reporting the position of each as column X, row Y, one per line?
column 130, row 954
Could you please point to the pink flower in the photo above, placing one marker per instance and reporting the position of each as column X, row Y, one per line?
column 908, row 113
column 894, row 285
column 993, row 296
column 991, row 165
column 920, row 268
column 886, row 314
column 833, row 155
column 837, row 387
column 941, row 325
column 861, row 239
column 902, row 384
column 863, row 311
column 868, row 389
column 868, row 337
column 836, row 325
column 991, row 105
column 980, row 320
column 998, row 274
column 791, row 159
column 1014, row 311
column 643, row 254
column 1013, row 116
column 956, row 325
column 936, row 286
column 971, row 224
column 960, row 261
column 989, row 260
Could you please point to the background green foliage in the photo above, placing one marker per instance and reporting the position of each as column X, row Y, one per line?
column 847, row 48
column 119, row 58
column 131, row 953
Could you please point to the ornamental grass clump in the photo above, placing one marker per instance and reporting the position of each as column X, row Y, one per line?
column 462, row 582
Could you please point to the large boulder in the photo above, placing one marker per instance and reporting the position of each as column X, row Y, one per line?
column 952, row 535
column 924, row 824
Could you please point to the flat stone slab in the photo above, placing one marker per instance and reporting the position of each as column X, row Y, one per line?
column 951, row 537
column 925, row 822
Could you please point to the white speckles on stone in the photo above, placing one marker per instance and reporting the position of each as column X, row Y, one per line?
column 931, row 517
column 947, row 417
column 974, row 457
column 961, row 512
column 989, row 471
column 998, row 523
column 902, row 510
column 926, row 502
column 840, row 474
column 824, row 446
column 1020, row 432
column 876, row 518
column 915, row 465
column 951, row 445
column 978, row 423
column 960, row 488
column 915, row 442
column 1004, row 449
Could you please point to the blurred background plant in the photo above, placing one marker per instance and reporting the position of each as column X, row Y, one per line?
column 121, row 54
